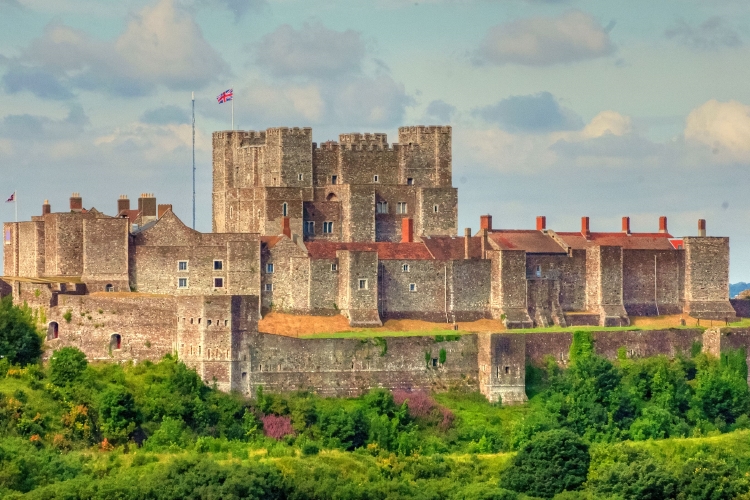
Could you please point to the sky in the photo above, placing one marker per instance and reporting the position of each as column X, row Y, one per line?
column 561, row 108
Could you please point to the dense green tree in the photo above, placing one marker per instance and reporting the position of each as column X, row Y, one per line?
column 551, row 462
column 721, row 391
column 20, row 342
column 117, row 413
column 66, row 366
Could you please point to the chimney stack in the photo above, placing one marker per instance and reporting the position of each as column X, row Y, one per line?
column 286, row 228
column 702, row 227
column 467, row 239
column 46, row 208
column 407, row 230
column 663, row 224
column 163, row 209
column 147, row 206
column 541, row 223
column 626, row 225
column 76, row 202
column 123, row 204
column 485, row 222
column 585, row 227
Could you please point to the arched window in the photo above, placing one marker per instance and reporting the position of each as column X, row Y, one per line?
column 109, row 288
column 284, row 209
column 52, row 330
column 115, row 341
column 332, row 197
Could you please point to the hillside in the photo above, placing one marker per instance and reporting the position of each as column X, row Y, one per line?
column 736, row 288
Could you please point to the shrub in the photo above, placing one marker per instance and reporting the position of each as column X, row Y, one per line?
column 20, row 342
column 277, row 427
column 549, row 463
column 66, row 366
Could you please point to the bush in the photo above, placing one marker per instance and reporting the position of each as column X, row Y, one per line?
column 277, row 427
column 66, row 366
column 549, row 463
column 118, row 414
column 20, row 343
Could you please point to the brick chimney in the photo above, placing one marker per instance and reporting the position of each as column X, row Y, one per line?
column 407, row 230
column 123, row 204
column 46, row 208
column 626, row 225
column 286, row 227
column 147, row 206
column 541, row 223
column 485, row 222
column 76, row 202
column 585, row 231
column 663, row 224
column 701, row 227
column 467, row 239
column 163, row 209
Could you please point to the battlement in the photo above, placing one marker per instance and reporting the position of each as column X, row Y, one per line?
column 425, row 129
column 287, row 131
column 326, row 146
column 366, row 138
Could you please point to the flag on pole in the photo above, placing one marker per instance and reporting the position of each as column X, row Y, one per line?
column 225, row 96
column 12, row 198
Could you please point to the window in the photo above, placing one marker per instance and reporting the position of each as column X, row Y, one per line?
column 231, row 212
column 284, row 209
column 115, row 341
column 182, row 265
column 334, row 179
column 381, row 207
column 7, row 236
column 538, row 271
column 334, row 267
column 412, row 287
column 218, row 282
column 363, row 284
column 182, row 282
column 52, row 331
column 507, row 370
column 435, row 208
column 218, row 265
column 434, row 361
column 309, row 227
column 109, row 288
column 401, row 209
column 300, row 177
column 409, row 181
column 405, row 268
column 268, row 287
column 328, row 227
column 375, row 178
column 269, row 268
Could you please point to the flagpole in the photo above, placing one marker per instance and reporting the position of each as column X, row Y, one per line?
column 15, row 202
column 232, row 107
column 193, row 97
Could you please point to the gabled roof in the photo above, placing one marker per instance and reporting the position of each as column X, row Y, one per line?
column 452, row 248
column 270, row 241
column 385, row 250
column 633, row 241
column 525, row 239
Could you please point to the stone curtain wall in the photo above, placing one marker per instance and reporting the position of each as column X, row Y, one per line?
column 707, row 278
column 643, row 297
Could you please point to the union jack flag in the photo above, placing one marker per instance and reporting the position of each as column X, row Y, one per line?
column 12, row 198
column 225, row 96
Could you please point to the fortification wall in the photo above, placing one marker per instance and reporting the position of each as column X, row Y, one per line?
column 348, row 367
column 359, row 214
column 105, row 252
column 469, row 289
column 437, row 211
column 651, row 282
column 31, row 249
column 428, row 299
column 707, row 278
column 10, row 249
column 324, row 283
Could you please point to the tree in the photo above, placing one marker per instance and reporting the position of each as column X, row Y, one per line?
column 66, row 366
column 549, row 463
column 20, row 342
column 118, row 413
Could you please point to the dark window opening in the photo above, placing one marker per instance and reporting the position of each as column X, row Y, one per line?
column 109, row 288
column 115, row 341
column 218, row 282
column 434, row 361
column 507, row 370
column 409, row 181
column 334, row 179
column 218, row 265
column 52, row 331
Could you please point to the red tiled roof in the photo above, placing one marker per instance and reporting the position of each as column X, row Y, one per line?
column 529, row 240
column 132, row 215
column 385, row 250
column 270, row 241
column 634, row 241
column 677, row 244
column 452, row 248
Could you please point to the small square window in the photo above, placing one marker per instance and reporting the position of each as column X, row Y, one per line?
column 412, row 287
column 328, row 227
column 182, row 283
column 375, row 178
column 269, row 268
column 218, row 282
column 182, row 265
column 7, row 237
column 538, row 271
column 309, row 227
column 405, row 268
column 268, row 287
column 409, row 181
column 401, row 208
column 363, row 284
column 218, row 265
column 300, row 177
column 334, row 179
column 334, row 267
column 381, row 207
column 435, row 208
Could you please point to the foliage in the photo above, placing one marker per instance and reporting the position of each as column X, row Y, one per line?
column 551, row 462
column 67, row 366
column 20, row 343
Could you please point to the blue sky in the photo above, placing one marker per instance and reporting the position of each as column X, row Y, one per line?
column 559, row 108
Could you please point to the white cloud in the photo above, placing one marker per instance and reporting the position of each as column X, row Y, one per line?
column 722, row 126
column 543, row 41
column 608, row 122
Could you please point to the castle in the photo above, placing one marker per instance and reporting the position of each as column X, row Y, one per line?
column 356, row 227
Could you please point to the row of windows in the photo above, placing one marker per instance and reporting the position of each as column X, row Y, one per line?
column 363, row 285
column 334, row 267
column 182, row 265
column 185, row 283
column 375, row 178
column 208, row 322
column 310, row 227
column 381, row 207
